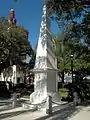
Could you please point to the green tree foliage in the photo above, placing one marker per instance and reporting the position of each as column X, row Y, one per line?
column 70, row 7
column 70, row 12
column 73, row 16
column 85, row 27
column 14, row 45
column 81, row 58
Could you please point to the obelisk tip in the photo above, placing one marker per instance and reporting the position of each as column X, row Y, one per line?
column 44, row 2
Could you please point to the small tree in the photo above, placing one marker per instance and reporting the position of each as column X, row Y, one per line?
column 14, row 45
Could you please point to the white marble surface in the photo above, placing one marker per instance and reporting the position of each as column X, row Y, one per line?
column 45, row 69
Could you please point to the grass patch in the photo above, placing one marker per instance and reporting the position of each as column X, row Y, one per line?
column 26, row 96
column 26, row 93
column 63, row 92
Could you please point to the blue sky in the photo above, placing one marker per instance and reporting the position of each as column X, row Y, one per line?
column 28, row 14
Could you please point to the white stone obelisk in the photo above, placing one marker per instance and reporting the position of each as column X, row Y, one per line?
column 45, row 82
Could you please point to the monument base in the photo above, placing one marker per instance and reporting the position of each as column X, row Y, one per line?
column 36, row 99
column 55, row 97
column 45, row 85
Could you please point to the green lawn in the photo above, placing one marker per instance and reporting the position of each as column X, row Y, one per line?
column 63, row 92
column 25, row 96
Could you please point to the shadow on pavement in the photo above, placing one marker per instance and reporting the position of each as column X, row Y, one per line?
column 62, row 114
column 66, row 113
column 12, row 114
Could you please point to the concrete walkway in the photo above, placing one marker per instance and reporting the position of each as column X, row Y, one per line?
column 83, row 114
column 27, row 116
column 79, row 113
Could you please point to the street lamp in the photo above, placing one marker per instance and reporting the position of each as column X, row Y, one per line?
column 72, row 66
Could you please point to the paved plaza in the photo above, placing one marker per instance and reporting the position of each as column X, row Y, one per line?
column 66, row 112
column 79, row 113
column 84, row 114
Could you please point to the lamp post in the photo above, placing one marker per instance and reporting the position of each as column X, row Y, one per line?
column 72, row 66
